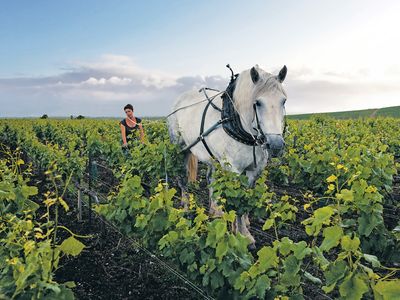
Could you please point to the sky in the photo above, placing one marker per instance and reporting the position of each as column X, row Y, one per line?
column 91, row 57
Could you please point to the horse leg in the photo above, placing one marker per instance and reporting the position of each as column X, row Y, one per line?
column 241, row 225
column 191, row 174
column 215, row 210
column 182, row 183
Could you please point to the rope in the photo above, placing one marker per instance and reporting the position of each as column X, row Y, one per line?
column 183, row 107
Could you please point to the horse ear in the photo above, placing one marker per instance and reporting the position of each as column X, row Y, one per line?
column 282, row 74
column 254, row 75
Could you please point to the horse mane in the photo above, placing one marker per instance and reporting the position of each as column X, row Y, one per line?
column 246, row 91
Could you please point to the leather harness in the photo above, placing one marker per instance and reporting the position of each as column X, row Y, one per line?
column 230, row 120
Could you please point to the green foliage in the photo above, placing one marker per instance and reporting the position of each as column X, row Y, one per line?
column 28, row 247
column 205, row 246
column 154, row 160
column 277, row 270
column 337, row 224
column 346, row 166
column 232, row 191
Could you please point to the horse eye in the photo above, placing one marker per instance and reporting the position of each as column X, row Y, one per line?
column 258, row 102
column 284, row 101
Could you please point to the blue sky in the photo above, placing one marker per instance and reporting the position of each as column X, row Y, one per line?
column 65, row 57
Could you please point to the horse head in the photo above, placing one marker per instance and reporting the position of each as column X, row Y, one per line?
column 260, row 100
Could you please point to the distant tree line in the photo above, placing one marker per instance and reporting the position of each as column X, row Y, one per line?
column 80, row 117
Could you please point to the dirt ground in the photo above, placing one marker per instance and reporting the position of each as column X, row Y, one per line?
column 111, row 267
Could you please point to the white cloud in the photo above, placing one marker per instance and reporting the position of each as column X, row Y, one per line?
column 114, row 80
column 94, row 81
column 123, row 70
column 100, row 87
column 120, row 64
column 104, row 86
column 119, row 81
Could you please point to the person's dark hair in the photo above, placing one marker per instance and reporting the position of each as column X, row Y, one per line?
column 128, row 106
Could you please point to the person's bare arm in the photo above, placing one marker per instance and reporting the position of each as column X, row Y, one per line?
column 123, row 134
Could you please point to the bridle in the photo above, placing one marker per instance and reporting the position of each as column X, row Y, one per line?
column 260, row 139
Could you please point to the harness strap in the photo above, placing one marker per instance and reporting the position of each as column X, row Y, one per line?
column 260, row 137
column 204, row 134
column 254, row 157
column 210, row 100
column 203, row 118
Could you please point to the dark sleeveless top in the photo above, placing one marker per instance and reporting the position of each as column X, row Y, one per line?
column 130, row 130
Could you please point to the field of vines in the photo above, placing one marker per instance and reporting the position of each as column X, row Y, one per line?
column 325, row 216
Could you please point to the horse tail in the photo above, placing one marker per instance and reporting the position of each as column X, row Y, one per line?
column 191, row 167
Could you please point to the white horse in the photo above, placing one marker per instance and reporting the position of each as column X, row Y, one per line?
column 259, row 99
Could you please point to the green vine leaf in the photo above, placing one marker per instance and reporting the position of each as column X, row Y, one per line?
column 71, row 246
column 332, row 236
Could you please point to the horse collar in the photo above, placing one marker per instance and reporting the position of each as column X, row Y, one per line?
column 233, row 125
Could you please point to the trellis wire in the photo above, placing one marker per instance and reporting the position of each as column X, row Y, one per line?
column 152, row 255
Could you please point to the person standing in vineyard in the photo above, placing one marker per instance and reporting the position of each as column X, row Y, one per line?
column 129, row 125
